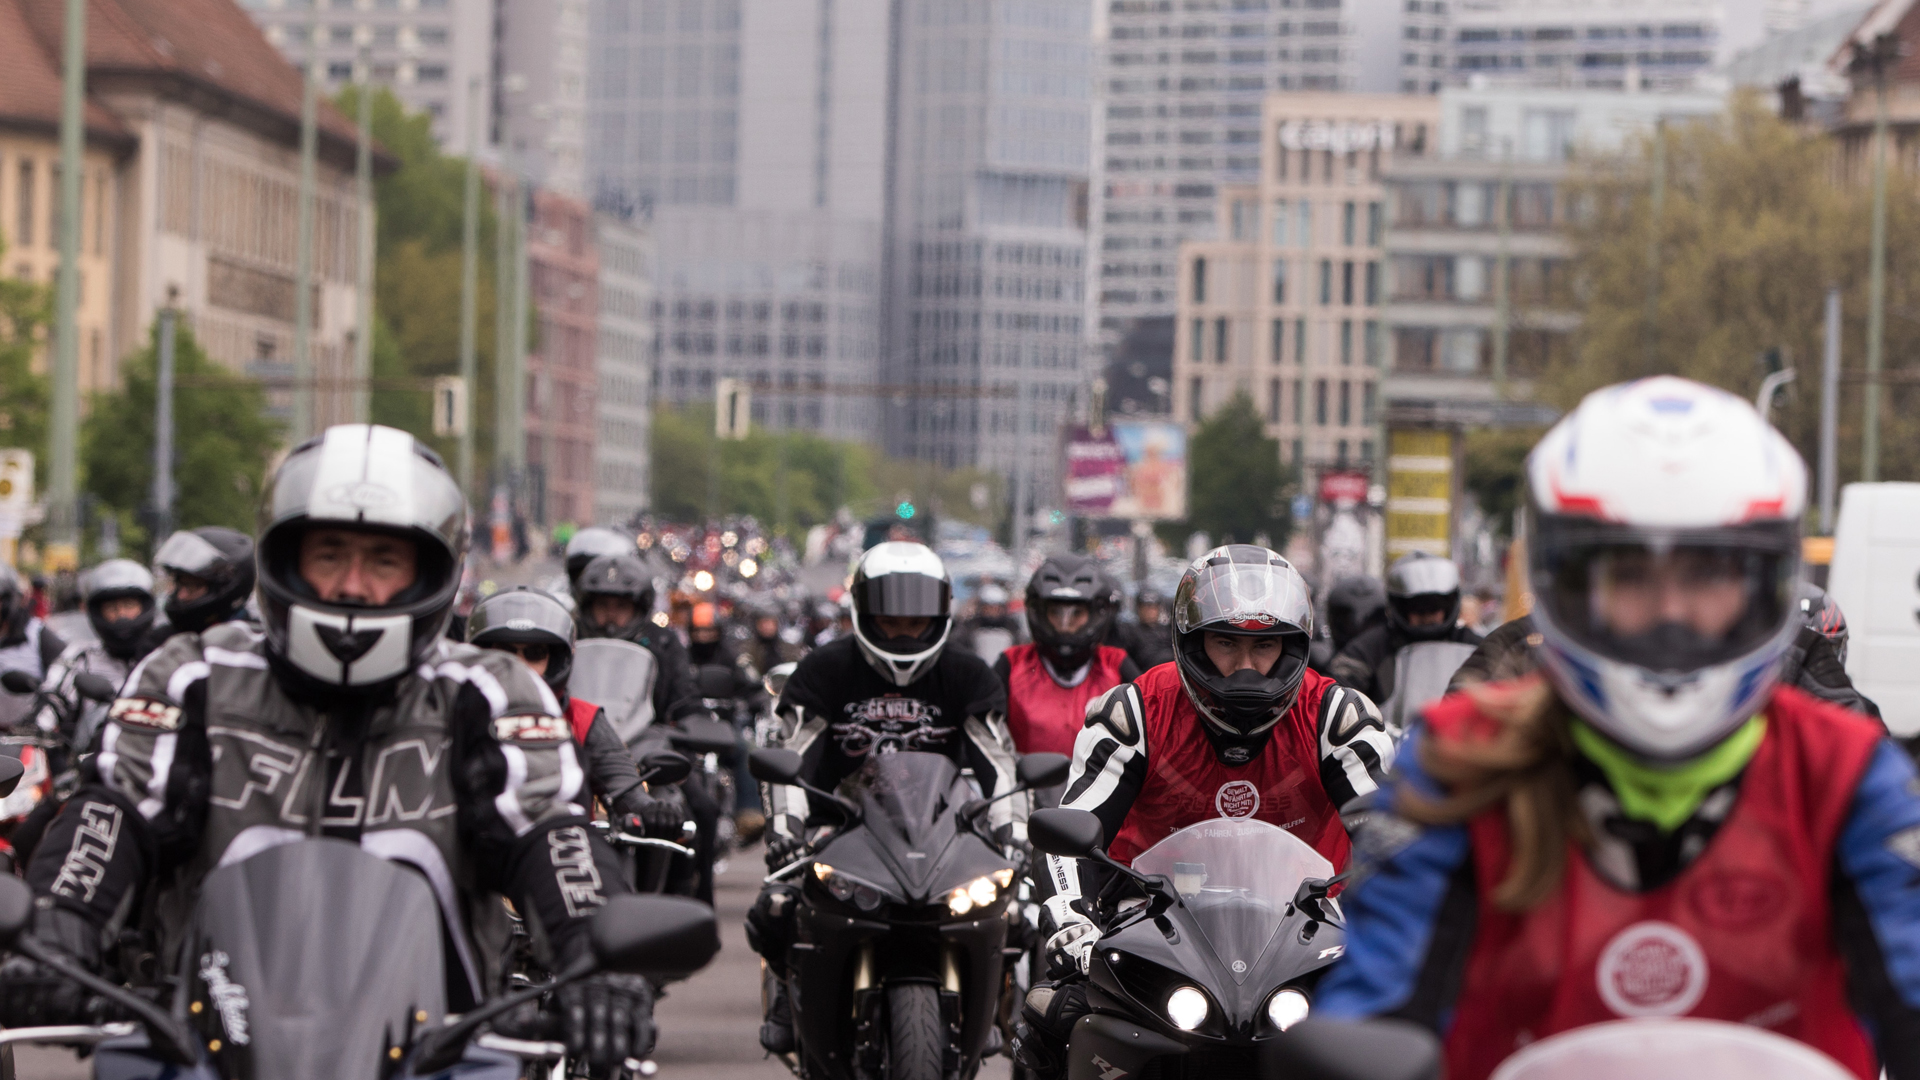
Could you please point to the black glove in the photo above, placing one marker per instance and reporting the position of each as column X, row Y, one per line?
column 34, row 995
column 606, row 1019
column 659, row 816
column 782, row 850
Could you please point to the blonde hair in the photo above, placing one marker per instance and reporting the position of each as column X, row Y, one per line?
column 1526, row 762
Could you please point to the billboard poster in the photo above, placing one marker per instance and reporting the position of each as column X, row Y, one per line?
column 1420, row 469
column 1096, row 472
column 1156, row 471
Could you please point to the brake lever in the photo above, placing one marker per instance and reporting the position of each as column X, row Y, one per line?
column 170, row 1038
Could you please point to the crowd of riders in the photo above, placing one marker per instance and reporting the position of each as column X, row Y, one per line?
column 1651, row 792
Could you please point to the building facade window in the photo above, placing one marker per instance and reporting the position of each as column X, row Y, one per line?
column 1279, row 281
column 1279, row 340
column 1219, row 341
column 1273, row 401
column 1346, row 342
column 1281, row 222
column 1373, row 284
column 23, row 196
column 1194, row 406
column 1348, row 213
column 1199, row 281
column 1197, row 353
column 1366, row 404
column 1346, row 283
column 1346, row 403
column 1299, row 406
column 1326, row 281
column 1375, row 215
column 1300, row 341
column 1320, row 402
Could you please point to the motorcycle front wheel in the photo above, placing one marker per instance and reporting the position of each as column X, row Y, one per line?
column 916, row 1039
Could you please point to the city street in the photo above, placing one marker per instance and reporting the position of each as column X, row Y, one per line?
column 708, row 1024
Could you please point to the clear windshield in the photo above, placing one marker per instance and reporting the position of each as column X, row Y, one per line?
column 1656, row 1049
column 617, row 676
column 1237, row 876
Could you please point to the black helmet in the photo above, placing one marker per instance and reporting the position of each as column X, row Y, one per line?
column 118, row 579
column 591, row 543
column 14, row 611
column 624, row 576
column 1354, row 604
column 1423, row 584
column 1241, row 589
column 524, row 615
column 1070, row 579
column 1817, row 610
column 218, row 556
column 370, row 479
column 907, row 580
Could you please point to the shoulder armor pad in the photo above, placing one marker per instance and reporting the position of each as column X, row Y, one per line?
column 1120, row 711
column 1345, row 712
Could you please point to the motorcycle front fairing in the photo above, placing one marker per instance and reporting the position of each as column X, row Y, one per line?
column 912, row 852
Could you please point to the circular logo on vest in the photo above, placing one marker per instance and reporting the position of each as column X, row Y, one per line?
column 1237, row 798
column 1652, row 969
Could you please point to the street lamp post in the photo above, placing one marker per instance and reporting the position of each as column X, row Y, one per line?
column 469, row 285
column 63, row 534
column 1876, row 58
column 363, row 299
column 303, row 257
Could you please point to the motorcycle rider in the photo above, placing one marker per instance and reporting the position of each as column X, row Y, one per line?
column 591, row 543
column 363, row 533
column 1149, row 640
column 767, row 647
column 893, row 684
column 117, row 596
column 1071, row 606
column 1236, row 726
column 209, row 575
column 26, row 643
column 538, row 629
column 1354, row 605
column 1652, row 825
column 991, row 629
column 615, row 594
column 1423, row 604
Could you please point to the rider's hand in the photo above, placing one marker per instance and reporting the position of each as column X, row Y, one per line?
column 606, row 1019
column 1070, row 949
column 33, row 995
column 783, row 849
column 659, row 817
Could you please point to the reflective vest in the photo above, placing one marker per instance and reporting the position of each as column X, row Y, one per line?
column 1042, row 715
column 1187, row 782
column 1743, row 934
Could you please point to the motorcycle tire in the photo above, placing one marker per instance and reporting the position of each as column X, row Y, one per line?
column 916, row 1039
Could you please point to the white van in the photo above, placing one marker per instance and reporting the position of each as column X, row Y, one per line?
column 1875, row 578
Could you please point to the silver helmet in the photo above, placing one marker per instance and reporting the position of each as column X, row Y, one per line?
column 525, row 616
column 118, row 579
column 364, row 478
column 1421, row 586
column 593, row 542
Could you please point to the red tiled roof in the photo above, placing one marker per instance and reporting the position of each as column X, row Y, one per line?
column 30, row 81
column 208, row 45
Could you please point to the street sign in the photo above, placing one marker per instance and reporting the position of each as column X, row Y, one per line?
column 1420, row 492
column 449, row 405
column 732, row 408
column 1344, row 487
column 16, row 481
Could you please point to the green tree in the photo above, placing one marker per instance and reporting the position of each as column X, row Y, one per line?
column 1757, row 222
column 1496, row 471
column 25, row 311
column 224, row 440
column 1236, row 485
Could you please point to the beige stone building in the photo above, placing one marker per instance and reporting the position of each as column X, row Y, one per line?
column 1286, row 308
column 191, row 192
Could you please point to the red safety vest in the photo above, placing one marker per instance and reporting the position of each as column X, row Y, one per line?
column 580, row 717
column 1042, row 715
column 1187, row 783
column 1744, row 934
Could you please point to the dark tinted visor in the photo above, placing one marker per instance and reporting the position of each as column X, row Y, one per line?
column 189, row 553
column 905, row 595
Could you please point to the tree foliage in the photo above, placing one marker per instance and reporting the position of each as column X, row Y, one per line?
column 223, row 441
column 1756, row 224
column 1236, row 483
column 25, row 311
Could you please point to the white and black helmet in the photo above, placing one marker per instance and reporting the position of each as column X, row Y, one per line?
column 370, row 478
column 1242, row 589
column 220, row 557
column 905, row 580
column 118, row 579
column 1420, row 583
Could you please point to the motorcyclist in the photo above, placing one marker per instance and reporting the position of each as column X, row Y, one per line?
column 591, row 543
column 991, row 629
column 538, row 629
column 1236, row 726
column 1354, row 605
column 893, row 684
column 117, row 596
column 26, row 643
column 1148, row 640
column 208, row 574
column 1070, row 608
column 767, row 645
column 348, row 715
column 1652, row 825
column 1423, row 604
column 615, row 594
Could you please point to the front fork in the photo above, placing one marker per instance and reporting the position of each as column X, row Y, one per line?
column 870, row 1013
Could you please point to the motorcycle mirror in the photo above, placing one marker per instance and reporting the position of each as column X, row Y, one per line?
column 665, row 767
column 774, row 766
column 775, row 680
column 1042, row 770
column 715, row 681
column 16, row 901
column 704, row 737
column 1316, row 1049
column 11, row 770
column 1069, row 834
column 18, row 682
column 95, row 687
column 669, row 936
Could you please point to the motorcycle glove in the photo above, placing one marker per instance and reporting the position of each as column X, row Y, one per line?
column 783, row 849
column 1070, row 949
column 34, row 995
column 606, row 1019
column 660, row 817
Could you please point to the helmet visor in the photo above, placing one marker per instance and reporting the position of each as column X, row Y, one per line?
column 1245, row 598
column 905, row 595
column 189, row 553
column 1673, row 603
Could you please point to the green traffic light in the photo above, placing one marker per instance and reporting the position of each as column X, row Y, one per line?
column 905, row 510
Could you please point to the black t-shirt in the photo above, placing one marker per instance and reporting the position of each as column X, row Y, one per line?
column 864, row 712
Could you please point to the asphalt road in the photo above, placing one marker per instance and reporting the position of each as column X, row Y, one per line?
column 709, row 1025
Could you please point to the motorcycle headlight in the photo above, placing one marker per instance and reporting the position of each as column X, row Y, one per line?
column 978, row 893
column 1287, row 1007
column 849, row 890
column 1187, row 1008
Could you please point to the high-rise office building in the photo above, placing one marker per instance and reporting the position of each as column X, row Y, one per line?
column 1182, row 90
column 750, row 136
column 1624, row 45
column 986, row 305
column 539, row 91
column 425, row 51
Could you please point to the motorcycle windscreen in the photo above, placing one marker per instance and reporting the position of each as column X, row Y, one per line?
column 910, row 791
column 312, row 959
column 1421, row 672
column 1236, row 876
column 618, row 676
column 1669, row 1049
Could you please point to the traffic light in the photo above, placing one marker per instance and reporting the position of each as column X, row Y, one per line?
column 904, row 510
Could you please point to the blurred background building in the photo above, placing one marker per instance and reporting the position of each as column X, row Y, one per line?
column 624, row 354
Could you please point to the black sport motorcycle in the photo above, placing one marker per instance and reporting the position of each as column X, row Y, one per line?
column 318, row 960
column 898, row 964
column 1211, row 945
